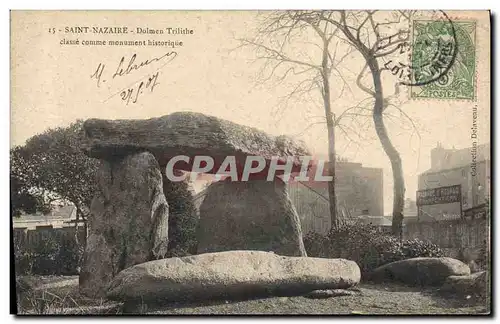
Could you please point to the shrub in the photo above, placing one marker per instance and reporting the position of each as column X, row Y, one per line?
column 418, row 248
column 367, row 246
column 69, row 255
column 483, row 258
column 316, row 245
column 23, row 258
column 44, row 256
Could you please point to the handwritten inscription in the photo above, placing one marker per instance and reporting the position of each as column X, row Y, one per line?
column 98, row 74
column 128, row 66
column 133, row 93
column 132, row 66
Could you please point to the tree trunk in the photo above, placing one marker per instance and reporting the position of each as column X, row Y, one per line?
column 77, row 220
column 80, row 245
column 390, row 150
column 330, row 125
column 331, row 170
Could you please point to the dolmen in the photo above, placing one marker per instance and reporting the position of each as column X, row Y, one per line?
column 129, row 217
column 230, row 275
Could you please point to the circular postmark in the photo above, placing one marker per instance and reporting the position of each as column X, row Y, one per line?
column 428, row 55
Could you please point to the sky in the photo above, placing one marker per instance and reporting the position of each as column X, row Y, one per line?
column 53, row 85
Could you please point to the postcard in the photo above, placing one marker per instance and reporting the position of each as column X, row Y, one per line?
column 308, row 162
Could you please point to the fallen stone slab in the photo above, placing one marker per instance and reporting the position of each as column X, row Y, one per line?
column 329, row 293
column 128, row 221
column 190, row 134
column 420, row 271
column 231, row 275
column 252, row 215
column 474, row 284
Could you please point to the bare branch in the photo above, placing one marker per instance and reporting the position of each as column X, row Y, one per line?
column 408, row 118
column 341, row 128
column 319, row 32
column 369, row 14
column 345, row 55
column 396, row 44
column 359, row 106
column 346, row 30
column 390, row 38
column 374, row 27
column 360, row 85
column 308, row 127
column 276, row 55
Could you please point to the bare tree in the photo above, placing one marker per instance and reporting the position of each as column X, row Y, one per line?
column 285, row 42
column 376, row 36
column 372, row 34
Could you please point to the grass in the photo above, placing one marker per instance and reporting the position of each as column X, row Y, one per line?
column 59, row 295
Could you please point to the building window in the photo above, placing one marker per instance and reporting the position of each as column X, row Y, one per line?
column 43, row 227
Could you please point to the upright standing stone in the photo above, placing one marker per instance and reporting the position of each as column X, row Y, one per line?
column 251, row 215
column 128, row 223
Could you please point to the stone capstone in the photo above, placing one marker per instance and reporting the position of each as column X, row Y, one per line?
column 190, row 134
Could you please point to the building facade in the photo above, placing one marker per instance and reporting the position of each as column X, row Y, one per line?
column 469, row 168
column 359, row 191
column 58, row 217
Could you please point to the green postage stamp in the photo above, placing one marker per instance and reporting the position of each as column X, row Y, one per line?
column 456, row 39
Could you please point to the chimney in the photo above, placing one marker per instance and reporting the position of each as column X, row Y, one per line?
column 437, row 156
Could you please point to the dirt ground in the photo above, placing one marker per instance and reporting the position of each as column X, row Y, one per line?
column 59, row 295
